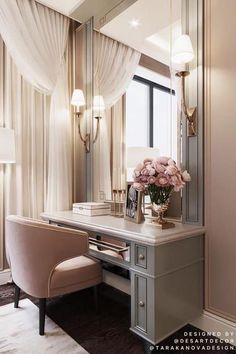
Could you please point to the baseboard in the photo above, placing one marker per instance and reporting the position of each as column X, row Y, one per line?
column 116, row 281
column 222, row 328
column 5, row 276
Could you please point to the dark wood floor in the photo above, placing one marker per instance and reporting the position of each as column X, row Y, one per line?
column 106, row 332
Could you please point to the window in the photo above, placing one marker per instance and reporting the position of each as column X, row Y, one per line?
column 137, row 111
column 151, row 115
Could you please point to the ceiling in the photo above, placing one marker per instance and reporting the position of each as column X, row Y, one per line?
column 63, row 6
column 155, row 21
column 82, row 10
column 152, row 35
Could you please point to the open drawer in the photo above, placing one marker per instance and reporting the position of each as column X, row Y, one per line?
column 111, row 247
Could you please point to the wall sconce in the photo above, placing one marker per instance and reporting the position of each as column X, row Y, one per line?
column 78, row 100
column 182, row 54
column 98, row 107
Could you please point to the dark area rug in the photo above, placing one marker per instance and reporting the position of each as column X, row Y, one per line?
column 107, row 331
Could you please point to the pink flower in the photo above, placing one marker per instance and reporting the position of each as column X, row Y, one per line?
column 136, row 173
column 158, row 167
column 180, row 183
column 151, row 170
column 174, row 180
column 139, row 167
column 162, row 172
column 138, row 186
column 177, row 188
column 143, row 179
column 147, row 161
column 162, row 180
column 144, row 172
column 151, row 180
column 163, row 160
column 177, row 182
column 171, row 162
column 171, row 170
column 186, row 176
column 179, row 177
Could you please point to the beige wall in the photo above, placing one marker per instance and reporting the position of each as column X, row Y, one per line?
column 220, row 147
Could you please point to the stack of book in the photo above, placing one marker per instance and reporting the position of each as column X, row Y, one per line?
column 92, row 208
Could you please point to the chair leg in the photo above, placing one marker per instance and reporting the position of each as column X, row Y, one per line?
column 16, row 296
column 42, row 312
column 95, row 293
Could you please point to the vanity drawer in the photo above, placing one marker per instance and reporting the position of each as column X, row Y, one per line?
column 140, row 254
column 141, row 303
column 109, row 249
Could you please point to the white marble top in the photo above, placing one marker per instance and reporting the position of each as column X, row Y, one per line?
column 121, row 228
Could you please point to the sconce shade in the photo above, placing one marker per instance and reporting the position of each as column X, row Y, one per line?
column 98, row 103
column 78, row 98
column 136, row 154
column 7, row 146
column 182, row 52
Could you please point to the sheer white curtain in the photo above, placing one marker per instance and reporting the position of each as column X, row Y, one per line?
column 27, row 112
column 24, row 109
column 114, row 68
column 36, row 38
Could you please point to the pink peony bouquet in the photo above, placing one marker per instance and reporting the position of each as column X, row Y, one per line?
column 160, row 172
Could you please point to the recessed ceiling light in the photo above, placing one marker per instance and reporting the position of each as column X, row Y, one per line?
column 134, row 23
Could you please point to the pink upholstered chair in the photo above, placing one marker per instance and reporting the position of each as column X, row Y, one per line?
column 48, row 260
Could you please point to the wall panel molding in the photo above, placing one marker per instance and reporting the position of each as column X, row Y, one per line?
column 83, row 162
column 192, row 157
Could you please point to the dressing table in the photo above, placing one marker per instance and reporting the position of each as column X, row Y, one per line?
column 166, row 268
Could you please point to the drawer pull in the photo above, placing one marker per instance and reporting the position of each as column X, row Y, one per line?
column 141, row 257
column 141, row 303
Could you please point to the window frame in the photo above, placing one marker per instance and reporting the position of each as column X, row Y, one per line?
column 151, row 85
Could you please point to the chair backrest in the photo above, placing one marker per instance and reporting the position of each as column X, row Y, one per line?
column 35, row 248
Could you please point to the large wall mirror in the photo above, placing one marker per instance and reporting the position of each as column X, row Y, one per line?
column 137, row 98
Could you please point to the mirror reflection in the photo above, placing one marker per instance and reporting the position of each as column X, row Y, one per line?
column 134, row 74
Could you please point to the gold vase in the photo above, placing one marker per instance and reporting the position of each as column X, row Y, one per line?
column 160, row 198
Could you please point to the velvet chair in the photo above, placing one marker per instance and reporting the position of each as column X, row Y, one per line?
column 48, row 260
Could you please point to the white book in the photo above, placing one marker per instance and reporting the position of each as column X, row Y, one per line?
column 91, row 212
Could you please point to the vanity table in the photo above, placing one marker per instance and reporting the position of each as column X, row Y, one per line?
column 166, row 268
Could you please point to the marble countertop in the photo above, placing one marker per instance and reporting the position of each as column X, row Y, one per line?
column 121, row 228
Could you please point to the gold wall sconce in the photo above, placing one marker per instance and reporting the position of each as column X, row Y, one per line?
column 98, row 107
column 78, row 101
column 182, row 54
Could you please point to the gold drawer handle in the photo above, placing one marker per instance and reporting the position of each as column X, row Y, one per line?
column 141, row 303
column 141, row 257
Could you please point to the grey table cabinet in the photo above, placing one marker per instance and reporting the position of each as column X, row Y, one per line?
column 166, row 268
